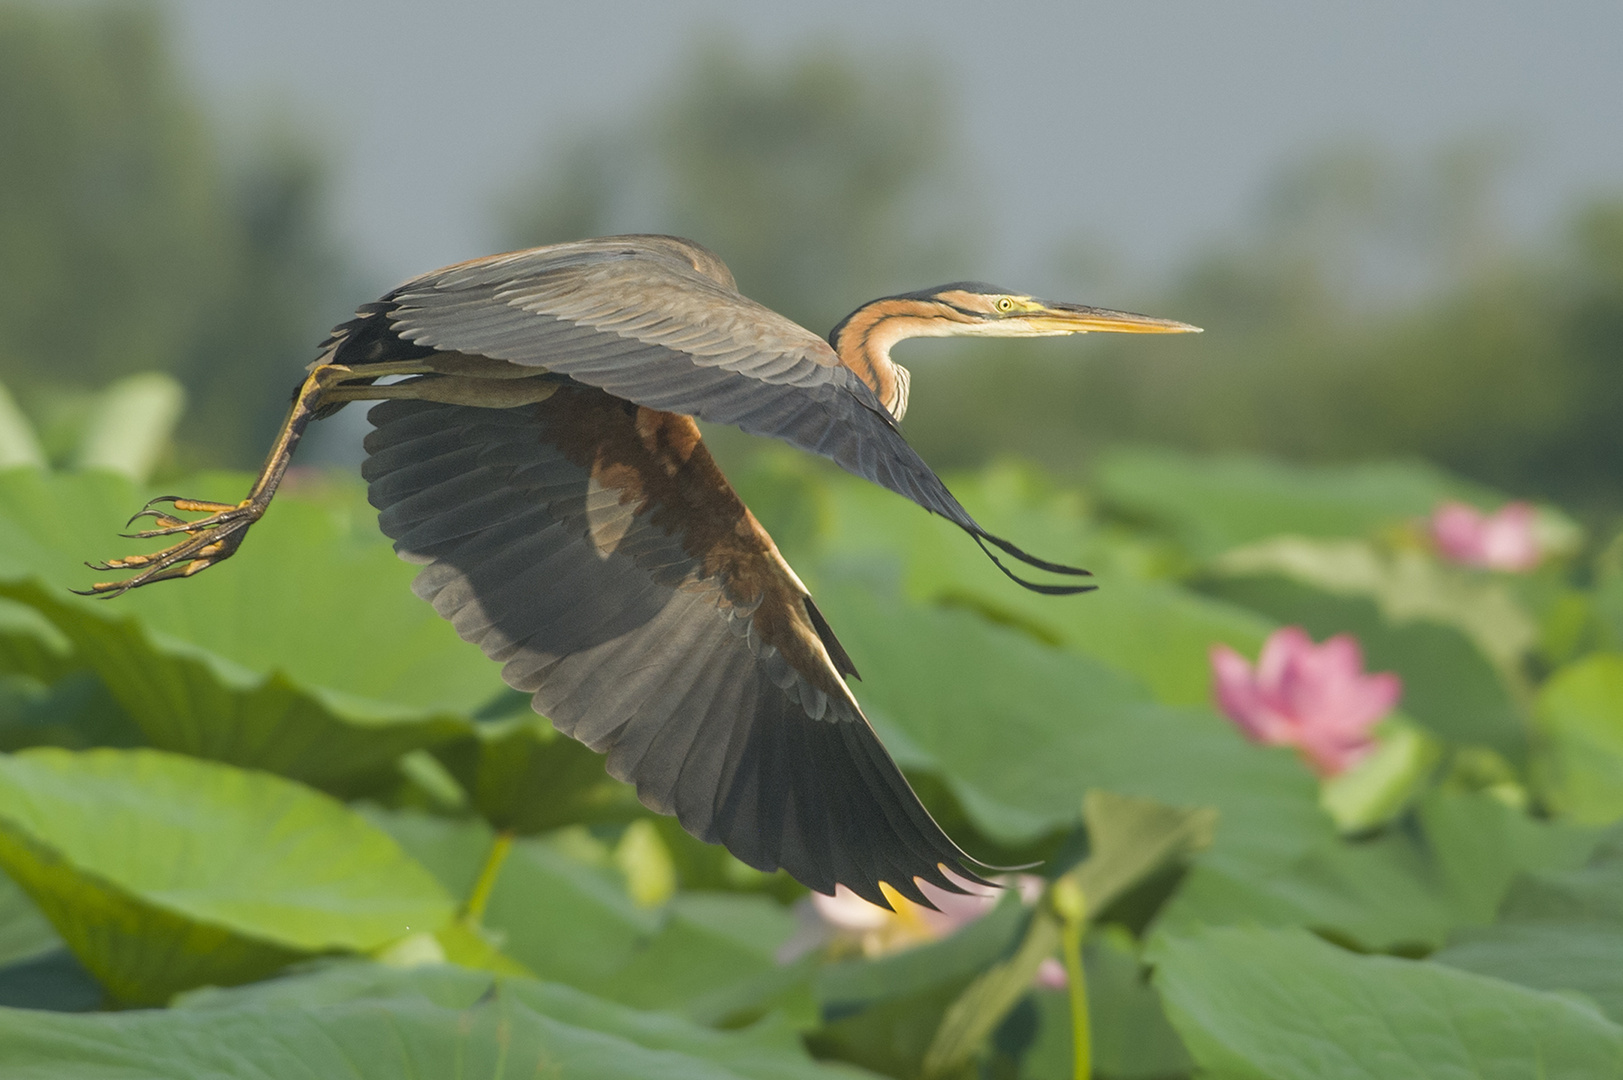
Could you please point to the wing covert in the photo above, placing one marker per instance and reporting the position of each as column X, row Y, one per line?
column 657, row 321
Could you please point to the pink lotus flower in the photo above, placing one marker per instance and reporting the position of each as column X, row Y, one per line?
column 1503, row 540
column 1313, row 697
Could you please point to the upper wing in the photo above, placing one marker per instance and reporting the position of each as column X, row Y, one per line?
column 656, row 320
column 595, row 549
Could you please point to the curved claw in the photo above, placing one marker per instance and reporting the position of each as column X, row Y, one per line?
column 147, row 509
column 112, row 590
column 180, row 502
column 208, row 540
column 170, row 530
column 106, row 590
column 148, row 512
column 168, row 526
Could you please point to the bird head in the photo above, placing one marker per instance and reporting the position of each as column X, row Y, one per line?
column 976, row 309
column 864, row 338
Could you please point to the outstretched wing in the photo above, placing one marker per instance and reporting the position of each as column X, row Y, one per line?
column 595, row 549
column 656, row 320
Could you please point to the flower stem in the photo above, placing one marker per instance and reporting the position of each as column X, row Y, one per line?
column 1071, row 906
column 474, row 910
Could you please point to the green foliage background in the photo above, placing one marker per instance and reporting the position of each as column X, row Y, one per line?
column 199, row 791
column 263, row 804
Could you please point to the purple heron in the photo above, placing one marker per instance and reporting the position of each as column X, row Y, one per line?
column 541, row 461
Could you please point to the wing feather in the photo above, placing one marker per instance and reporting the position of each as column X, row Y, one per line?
column 657, row 321
column 654, row 626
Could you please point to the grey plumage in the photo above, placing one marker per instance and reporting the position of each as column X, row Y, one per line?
column 628, row 643
column 539, row 460
column 657, row 321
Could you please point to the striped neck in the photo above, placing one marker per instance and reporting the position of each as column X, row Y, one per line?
column 863, row 341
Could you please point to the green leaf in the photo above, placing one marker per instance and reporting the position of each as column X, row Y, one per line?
column 1481, row 846
column 714, row 959
column 76, row 712
column 1379, row 894
column 1609, row 602
column 53, row 980
column 1585, row 958
column 543, row 887
column 1131, row 1035
column 1020, row 731
column 30, row 645
column 470, row 946
column 163, row 872
column 187, row 699
column 982, row 1006
column 567, row 879
column 769, row 1048
column 24, row 932
column 225, row 665
column 1213, row 504
column 1129, row 840
column 1159, row 633
column 1579, row 766
column 1376, row 788
column 709, row 956
column 312, row 561
column 852, row 985
column 882, row 1013
column 1396, row 891
column 129, row 427
column 1592, row 893
column 373, row 1022
column 1281, row 1003
column 1154, row 631
column 1556, row 931
column 523, row 775
column 1405, row 585
column 335, row 980
column 867, row 522
column 452, row 849
column 19, row 445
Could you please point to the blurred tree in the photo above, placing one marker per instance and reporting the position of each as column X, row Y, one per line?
column 285, row 289
column 128, row 243
column 1376, row 311
column 1584, row 457
column 1377, row 308
column 823, row 181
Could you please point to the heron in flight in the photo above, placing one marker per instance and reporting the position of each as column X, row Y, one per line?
column 541, row 462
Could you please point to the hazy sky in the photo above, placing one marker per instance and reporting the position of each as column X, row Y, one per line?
column 1149, row 124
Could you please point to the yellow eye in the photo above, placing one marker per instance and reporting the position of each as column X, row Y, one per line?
column 1005, row 304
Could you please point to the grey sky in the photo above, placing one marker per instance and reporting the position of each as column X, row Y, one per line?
column 1149, row 124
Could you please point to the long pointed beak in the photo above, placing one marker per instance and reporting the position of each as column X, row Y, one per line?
column 1078, row 319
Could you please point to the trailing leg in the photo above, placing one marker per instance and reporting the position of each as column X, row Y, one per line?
column 214, row 538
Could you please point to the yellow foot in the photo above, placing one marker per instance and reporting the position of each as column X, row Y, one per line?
column 208, row 540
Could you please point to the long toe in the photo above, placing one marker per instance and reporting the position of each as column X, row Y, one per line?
column 193, row 506
column 207, row 541
column 196, row 506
